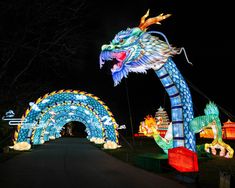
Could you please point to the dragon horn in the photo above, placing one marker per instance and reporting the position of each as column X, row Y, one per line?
column 155, row 20
column 142, row 20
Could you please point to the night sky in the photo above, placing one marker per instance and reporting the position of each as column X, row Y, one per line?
column 53, row 45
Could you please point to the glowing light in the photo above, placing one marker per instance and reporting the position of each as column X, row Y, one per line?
column 149, row 127
column 34, row 106
column 45, row 101
column 183, row 159
column 21, row 146
column 97, row 140
column 50, row 113
column 111, row 145
column 211, row 119
column 229, row 130
column 81, row 97
column 73, row 107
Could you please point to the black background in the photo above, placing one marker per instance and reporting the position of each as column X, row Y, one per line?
column 52, row 45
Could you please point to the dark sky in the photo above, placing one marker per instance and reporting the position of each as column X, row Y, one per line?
column 52, row 45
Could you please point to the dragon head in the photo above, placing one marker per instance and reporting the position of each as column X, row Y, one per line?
column 211, row 109
column 135, row 50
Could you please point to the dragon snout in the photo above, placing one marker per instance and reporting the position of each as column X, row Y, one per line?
column 107, row 47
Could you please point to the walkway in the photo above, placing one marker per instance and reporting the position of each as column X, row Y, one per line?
column 75, row 163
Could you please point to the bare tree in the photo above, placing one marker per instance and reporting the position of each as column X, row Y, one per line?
column 39, row 41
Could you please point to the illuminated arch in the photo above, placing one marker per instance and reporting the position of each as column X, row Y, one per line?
column 46, row 117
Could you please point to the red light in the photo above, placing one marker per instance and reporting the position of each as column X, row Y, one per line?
column 139, row 135
column 183, row 159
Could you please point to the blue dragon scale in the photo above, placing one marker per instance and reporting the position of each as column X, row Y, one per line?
column 138, row 50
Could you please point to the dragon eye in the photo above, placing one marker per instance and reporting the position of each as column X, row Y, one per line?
column 121, row 40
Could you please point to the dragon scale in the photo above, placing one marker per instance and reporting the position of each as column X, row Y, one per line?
column 181, row 104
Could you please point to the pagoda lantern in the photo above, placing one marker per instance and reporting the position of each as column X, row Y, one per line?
column 229, row 130
column 162, row 128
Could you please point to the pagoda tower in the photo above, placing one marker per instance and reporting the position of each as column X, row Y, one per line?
column 165, row 120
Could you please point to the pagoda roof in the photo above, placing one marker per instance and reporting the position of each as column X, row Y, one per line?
column 160, row 109
column 229, row 124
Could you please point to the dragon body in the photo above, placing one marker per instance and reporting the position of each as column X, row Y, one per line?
column 138, row 50
column 149, row 127
column 211, row 119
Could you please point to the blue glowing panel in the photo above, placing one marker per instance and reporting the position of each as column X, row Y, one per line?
column 181, row 104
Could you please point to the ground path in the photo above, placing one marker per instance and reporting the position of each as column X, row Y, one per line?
column 74, row 162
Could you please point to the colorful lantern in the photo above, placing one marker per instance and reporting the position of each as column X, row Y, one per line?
column 183, row 159
column 45, row 118
column 149, row 127
column 229, row 130
column 138, row 50
column 165, row 122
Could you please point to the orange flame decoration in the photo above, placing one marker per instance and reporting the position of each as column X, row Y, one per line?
column 155, row 20
column 149, row 126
